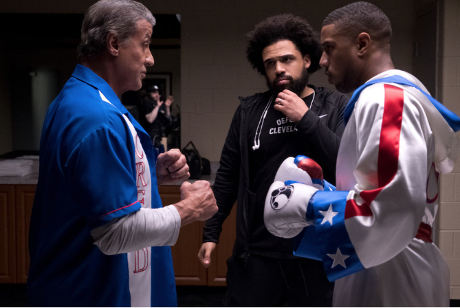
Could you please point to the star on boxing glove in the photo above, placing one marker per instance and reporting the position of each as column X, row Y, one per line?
column 301, row 169
column 286, row 208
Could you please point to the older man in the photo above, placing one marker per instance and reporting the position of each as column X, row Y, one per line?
column 97, row 211
column 374, row 233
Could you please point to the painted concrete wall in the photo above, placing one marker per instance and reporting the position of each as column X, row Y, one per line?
column 448, row 220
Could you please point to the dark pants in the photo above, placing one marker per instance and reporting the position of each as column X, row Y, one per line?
column 263, row 281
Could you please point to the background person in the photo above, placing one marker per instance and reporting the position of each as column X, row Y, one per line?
column 156, row 115
column 97, row 211
column 291, row 118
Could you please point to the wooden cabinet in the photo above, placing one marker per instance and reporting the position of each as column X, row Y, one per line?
column 7, row 235
column 217, row 271
column 187, row 267
column 16, row 207
column 15, row 211
column 25, row 195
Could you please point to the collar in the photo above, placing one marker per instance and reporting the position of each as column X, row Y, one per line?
column 392, row 77
column 317, row 101
column 89, row 77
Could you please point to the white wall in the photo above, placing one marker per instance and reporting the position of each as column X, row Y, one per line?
column 448, row 220
column 214, row 68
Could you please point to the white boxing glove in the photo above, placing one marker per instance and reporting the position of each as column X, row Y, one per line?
column 288, row 171
column 286, row 208
column 301, row 169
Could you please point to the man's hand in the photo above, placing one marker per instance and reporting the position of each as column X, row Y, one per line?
column 169, row 101
column 168, row 104
column 197, row 202
column 204, row 254
column 291, row 105
column 171, row 166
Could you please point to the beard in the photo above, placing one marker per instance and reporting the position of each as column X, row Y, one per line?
column 296, row 85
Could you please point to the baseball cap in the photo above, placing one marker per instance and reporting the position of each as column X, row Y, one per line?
column 153, row 88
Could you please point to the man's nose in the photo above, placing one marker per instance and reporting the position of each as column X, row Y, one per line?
column 324, row 61
column 279, row 68
column 149, row 61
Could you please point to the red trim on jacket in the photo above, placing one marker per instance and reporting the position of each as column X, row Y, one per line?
column 388, row 155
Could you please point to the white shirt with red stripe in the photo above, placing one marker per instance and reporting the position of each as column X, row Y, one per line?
column 375, row 230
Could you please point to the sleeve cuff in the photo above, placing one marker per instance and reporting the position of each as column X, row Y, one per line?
column 308, row 122
column 177, row 223
column 328, row 239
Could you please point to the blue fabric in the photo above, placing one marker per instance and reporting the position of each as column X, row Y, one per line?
column 306, row 245
column 314, row 181
column 289, row 182
column 88, row 177
column 451, row 118
column 328, row 186
column 299, row 158
column 322, row 240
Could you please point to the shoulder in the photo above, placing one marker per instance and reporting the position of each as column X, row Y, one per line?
column 83, row 101
column 248, row 103
column 371, row 100
column 332, row 98
column 375, row 93
column 255, row 98
column 81, row 110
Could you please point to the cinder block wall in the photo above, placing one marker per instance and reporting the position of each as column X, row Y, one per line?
column 448, row 220
column 214, row 66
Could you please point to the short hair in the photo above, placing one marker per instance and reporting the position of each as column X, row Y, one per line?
column 283, row 27
column 110, row 16
column 358, row 17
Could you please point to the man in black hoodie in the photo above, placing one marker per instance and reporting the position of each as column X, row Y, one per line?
column 292, row 118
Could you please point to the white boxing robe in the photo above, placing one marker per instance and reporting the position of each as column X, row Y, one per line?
column 374, row 232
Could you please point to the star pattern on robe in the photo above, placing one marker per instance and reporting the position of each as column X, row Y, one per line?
column 338, row 258
column 328, row 215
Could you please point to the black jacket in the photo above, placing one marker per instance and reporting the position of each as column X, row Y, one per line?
column 232, row 180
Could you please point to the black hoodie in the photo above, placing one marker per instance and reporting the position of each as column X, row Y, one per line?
column 246, row 174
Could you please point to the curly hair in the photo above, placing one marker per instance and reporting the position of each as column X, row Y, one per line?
column 283, row 27
column 358, row 17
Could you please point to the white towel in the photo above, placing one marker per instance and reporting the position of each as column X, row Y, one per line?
column 15, row 167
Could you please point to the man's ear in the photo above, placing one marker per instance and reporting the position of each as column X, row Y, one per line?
column 112, row 44
column 307, row 61
column 363, row 42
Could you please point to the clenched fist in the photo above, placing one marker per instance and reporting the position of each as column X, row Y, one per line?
column 197, row 202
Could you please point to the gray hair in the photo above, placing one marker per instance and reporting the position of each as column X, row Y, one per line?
column 118, row 17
